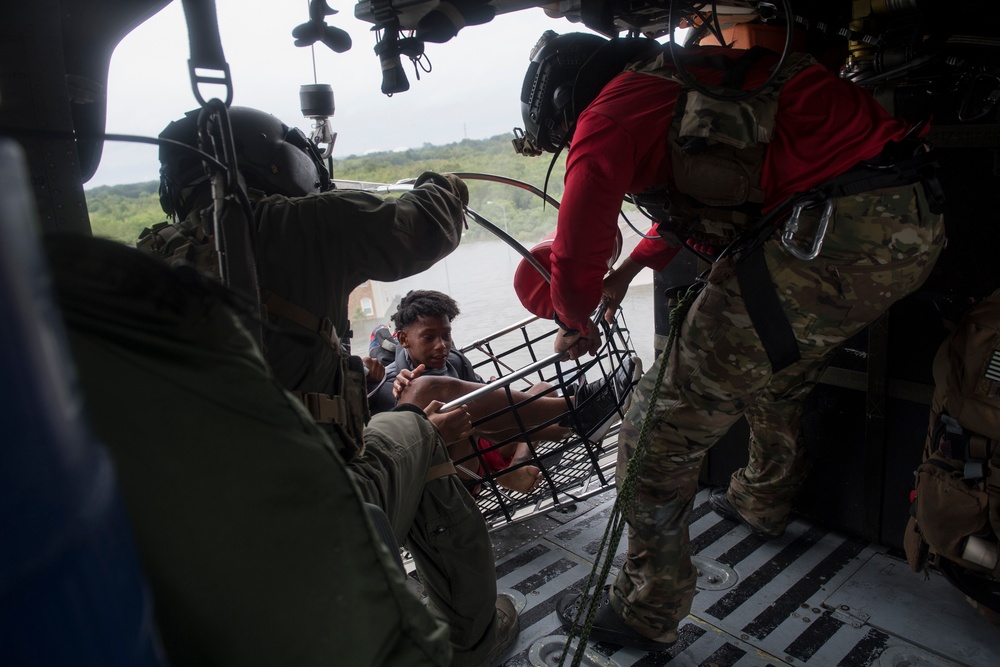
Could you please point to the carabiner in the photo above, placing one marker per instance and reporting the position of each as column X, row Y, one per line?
column 792, row 227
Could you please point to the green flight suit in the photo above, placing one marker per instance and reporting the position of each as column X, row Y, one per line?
column 255, row 543
column 313, row 251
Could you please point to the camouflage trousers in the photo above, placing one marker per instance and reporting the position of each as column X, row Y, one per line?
column 881, row 246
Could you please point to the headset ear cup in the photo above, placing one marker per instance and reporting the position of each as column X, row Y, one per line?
column 558, row 121
column 562, row 97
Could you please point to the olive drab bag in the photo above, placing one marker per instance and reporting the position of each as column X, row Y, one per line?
column 955, row 513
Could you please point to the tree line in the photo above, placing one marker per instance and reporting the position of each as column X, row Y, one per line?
column 121, row 212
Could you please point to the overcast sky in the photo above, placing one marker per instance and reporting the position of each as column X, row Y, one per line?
column 471, row 93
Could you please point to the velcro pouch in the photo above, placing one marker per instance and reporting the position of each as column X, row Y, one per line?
column 915, row 547
column 948, row 510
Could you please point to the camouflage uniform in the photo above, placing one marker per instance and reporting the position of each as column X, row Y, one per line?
column 881, row 246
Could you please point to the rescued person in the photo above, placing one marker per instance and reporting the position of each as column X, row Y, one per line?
column 425, row 349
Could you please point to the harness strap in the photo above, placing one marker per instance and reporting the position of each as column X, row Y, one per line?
column 440, row 470
column 763, row 305
column 956, row 442
column 283, row 308
column 765, row 311
column 867, row 176
column 737, row 72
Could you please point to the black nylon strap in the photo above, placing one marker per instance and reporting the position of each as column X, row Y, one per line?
column 203, row 32
column 765, row 311
column 737, row 73
column 870, row 175
column 206, row 48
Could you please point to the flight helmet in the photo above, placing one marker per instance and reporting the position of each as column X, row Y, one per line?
column 272, row 158
column 565, row 75
column 547, row 91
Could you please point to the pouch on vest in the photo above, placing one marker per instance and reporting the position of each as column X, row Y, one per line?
column 717, row 150
column 956, row 510
column 187, row 241
column 949, row 510
column 343, row 403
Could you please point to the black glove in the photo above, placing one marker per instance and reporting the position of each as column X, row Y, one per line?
column 449, row 182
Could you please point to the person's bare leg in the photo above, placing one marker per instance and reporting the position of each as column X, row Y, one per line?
column 427, row 388
column 524, row 479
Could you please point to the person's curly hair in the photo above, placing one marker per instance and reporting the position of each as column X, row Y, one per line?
column 424, row 303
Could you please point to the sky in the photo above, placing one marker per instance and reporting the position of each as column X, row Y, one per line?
column 472, row 91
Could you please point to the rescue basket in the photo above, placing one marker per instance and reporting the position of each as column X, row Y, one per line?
column 572, row 468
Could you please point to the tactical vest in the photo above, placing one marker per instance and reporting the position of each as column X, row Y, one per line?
column 955, row 513
column 344, row 407
column 717, row 150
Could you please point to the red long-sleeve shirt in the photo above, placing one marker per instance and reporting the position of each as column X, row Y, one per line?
column 825, row 125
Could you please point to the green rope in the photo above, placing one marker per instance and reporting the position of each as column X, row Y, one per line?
column 626, row 493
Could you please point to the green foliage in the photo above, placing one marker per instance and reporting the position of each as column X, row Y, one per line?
column 121, row 212
column 523, row 212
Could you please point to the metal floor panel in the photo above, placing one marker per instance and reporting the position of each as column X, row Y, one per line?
column 811, row 597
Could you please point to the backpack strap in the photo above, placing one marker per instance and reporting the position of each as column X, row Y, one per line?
column 285, row 309
column 347, row 407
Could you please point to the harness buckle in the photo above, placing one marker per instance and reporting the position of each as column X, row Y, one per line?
column 325, row 409
column 792, row 228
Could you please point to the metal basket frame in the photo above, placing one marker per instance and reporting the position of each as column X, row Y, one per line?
column 573, row 468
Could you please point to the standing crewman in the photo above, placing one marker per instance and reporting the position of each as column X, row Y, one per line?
column 313, row 245
column 727, row 147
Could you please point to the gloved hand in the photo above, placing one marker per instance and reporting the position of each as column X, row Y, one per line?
column 449, row 181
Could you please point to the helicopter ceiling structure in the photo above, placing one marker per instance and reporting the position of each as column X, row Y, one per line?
column 918, row 56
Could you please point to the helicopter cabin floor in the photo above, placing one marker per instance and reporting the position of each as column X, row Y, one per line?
column 811, row 597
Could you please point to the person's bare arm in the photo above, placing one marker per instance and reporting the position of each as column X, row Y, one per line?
column 376, row 371
column 616, row 285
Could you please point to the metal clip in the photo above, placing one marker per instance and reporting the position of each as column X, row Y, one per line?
column 523, row 145
column 792, row 227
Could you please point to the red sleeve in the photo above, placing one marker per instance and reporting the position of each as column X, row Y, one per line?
column 599, row 169
column 654, row 253
column 825, row 125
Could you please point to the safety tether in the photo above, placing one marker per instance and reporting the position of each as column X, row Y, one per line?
column 233, row 231
column 206, row 48
column 623, row 502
